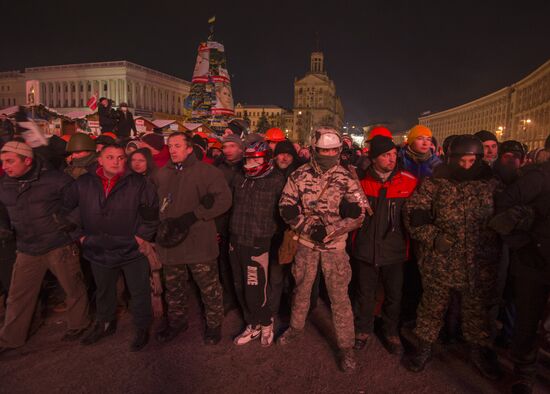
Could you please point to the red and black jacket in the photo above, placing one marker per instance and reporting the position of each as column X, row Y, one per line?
column 382, row 239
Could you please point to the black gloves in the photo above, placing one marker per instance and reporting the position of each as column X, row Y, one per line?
column 520, row 217
column 318, row 233
column 290, row 212
column 173, row 231
column 443, row 243
column 186, row 220
column 207, row 200
column 349, row 209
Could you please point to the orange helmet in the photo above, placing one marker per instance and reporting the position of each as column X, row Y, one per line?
column 379, row 130
column 66, row 137
column 109, row 134
column 275, row 135
column 216, row 145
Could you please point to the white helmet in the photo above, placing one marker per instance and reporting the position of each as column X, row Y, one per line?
column 326, row 138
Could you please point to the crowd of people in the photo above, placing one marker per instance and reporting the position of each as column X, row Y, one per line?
column 454, row 235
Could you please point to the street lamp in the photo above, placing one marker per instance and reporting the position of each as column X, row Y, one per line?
column 500, row 131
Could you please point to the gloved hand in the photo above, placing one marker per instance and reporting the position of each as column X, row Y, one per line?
column 318, row 233
column 173, row 231
column 349, row 209
column 443, row 243
column 63, row 224
column 290, row 212
column 207, row 200
column 186, row 220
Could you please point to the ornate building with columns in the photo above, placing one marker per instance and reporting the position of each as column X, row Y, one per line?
column 67, row 88
column 520, row 112
column 315, row 101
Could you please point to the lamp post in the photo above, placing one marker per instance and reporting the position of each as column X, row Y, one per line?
column 499, row 132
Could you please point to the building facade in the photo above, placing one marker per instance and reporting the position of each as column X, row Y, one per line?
column 67, row 88
column 315, row 101
column 12, row 89
column 276, row 116
column 520, row 112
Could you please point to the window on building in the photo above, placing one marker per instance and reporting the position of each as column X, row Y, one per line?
column 105, row 87
column 66, row 103
column 81, row 103
column 81, row 88
column 73, row 88
column 73, row 103
column 89, row 87
column 3, row 102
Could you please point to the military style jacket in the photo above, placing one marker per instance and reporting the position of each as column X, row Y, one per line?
column 303, row 188
column 461, row 212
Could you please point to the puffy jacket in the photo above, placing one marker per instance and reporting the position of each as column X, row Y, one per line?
column 420, row 169
column 110, row 223
column 31, row 203
column 461, row 212
column 382, row 238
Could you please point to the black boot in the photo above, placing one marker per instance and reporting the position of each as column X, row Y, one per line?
column 522, row 386
column 423, row 354
column 140, row 340
column 97, row 331
column 73, row 335
column 213, row 335
column 170, row 332
column 486, row 362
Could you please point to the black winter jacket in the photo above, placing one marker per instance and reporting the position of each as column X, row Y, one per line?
column 31, row 203
column 110, row 224
column 533, row 189
column 107, row 118
column 125, row 124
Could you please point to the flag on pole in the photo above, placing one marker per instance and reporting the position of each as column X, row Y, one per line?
column 92, row 102
column 212, row 19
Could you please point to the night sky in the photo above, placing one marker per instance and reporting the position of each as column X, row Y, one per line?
column 390, row 60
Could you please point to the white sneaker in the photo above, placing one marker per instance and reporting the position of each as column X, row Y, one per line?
column 249, row 334
column 267, row 335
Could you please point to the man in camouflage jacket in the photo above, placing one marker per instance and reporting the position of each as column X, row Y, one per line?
column 448, row 215
column 310, row 204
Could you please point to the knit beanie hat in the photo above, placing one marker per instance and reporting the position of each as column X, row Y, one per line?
column 198, row 140
column 154, row 140
column 485, row 135
column 19, row 148
column 235, row 139
column 418, row 131
column 380, row 145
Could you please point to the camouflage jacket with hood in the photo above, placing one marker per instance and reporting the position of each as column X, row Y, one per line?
column 460, row 210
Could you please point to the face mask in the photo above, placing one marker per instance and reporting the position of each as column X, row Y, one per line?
column 325, row 162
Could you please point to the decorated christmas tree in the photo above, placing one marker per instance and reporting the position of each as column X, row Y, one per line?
column 210, row 99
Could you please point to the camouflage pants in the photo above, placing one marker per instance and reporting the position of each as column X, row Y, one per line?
column 337, row 274
column 176, row 292
column 434, row 304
